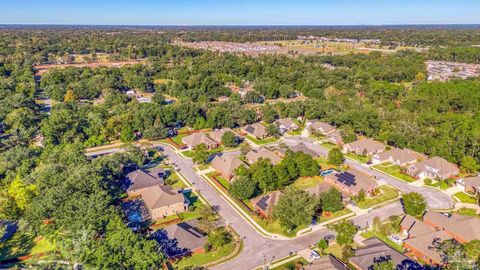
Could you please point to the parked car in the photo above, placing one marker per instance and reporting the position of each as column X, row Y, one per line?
column 395, row 239
column 314, row 254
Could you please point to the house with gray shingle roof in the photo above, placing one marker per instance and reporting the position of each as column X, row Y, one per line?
column 140, row 180
column 375, row 250
column 364, row 147
column 435, row 168
column 470, row 184
column 162, row 201
column 181, row 239
column 286, row 124
column 328, row 262
column 255, row 154
column 320, row 127
column 217, row 134
column 398, row 156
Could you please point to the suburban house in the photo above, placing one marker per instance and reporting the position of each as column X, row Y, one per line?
column 297, row 148
column 351, row 182
column 254, row 155
column 320, row 127
column 318, row 189
column 226, row 166
column 182, row 239
column 198, row 138
column 334, row 137
column 257, row 130
column 375, row 250
column 470, row 184
column 364, row 147
column 286, row 124
column 140, row 180
column 328, row 262
column 434, row 168
column 264, row 204
column 398, row 156
column 163, row 200
column 436, row 226
column 217, row 134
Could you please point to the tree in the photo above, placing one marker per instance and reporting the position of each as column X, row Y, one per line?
column 414, row 204
column 452, row 253
column 472, row 250
column 219, row 237
column 295, row 208
column 273, row 130
column 208, row 219
column 264, row 175
column 335, row 157
column 386, row 264
column 245, row 148
column 158, row 98
column 420, row 77
column 331, row 200
column 200, row 154
column 243, row 188
column 345, row 230
column 469, row 165
column 69, row 96
column 322, row 244
column 229, row 139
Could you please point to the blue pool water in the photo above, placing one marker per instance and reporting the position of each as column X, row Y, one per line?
column 135, row 216
column 327, row 172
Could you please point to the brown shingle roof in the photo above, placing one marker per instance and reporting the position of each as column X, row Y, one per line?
column 321, row 127
column 328, row 262
column 160, row 196
column 286, row 122
column 472, row 182
column 465, row 226
column 257, row 130
column 424, row 243
column 374, row 250
column 437, row 164
column 360, row 180
column 217, row 134
column 399, row 156
column 186, row 235
column 369, row 145
column 267, row 202
column 254, row 155
column 415, row 227
column 143, row 179
column 227, row 165
column 318, row 189
column 196, row 139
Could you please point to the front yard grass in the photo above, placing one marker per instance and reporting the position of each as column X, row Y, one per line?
column 386, row 193
column 394, row 170
column 200, row 259
column 307, row 182
column 465, row 198
column 263, row 141
column 178, row 139
column 345, row 211
column 384, row 238
column 323, row 162
column 328, row 145
column 224, row 182
column 174, row 181
column 273, row 226
column 361, row 159
column 291, row 264
column 297, row 132
column 21, row 244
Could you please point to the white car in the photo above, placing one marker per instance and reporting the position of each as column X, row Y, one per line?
column 314, row 254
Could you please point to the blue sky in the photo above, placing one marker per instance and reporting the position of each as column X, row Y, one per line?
column 238, row 12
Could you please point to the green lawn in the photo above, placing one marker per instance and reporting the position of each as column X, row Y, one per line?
column 174, row 180
column 273, row 226
column 188, row 153
column 224, row 182
column 358, row 158
column 468, row 212
column 465, row 198
column 438, row 184
column 323, row 162
column 260, row 142
column 204, row 258
column 387, row 193
column 291, row 264
column 202, row 167
column 394, row 170
column 307, row 182
column 21, row 244
column 384, row 239
column 178, row 139
column 328, row 145
column 297, row 132
column 343, row 212
column 335, row 250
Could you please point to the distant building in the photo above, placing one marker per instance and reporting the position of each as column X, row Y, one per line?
column 226, row 166
column 198, row 138
column 351, row 182
column 320, row 127
column 434, row 168
column 470, row 184
column 334, row 137
column 301, row 147
column 364, row 147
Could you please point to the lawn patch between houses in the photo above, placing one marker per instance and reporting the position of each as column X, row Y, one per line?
column 465, row 198
column 386, row 193
column 394, row 170
column 263, row 141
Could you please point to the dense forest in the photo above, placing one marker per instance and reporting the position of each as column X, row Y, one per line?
column 57, row 193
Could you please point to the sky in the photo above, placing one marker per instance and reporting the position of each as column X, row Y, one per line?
column 239, row 12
